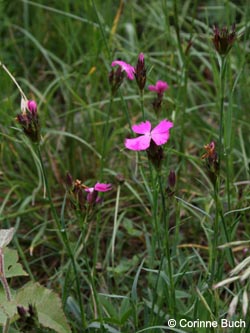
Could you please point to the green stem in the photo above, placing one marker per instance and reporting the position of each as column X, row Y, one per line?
column 222, row 97
column 6, row 289
column 105, row 136
column 14, row 80
column 63, row 234
column 6, row 326
column 165, row 217
column 213, row 261
column 126, row 111
column 142, row 104
column 3, row 277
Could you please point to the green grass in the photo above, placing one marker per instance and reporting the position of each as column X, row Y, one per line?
column 142, row 256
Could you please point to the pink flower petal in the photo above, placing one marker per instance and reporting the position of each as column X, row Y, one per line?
column 152, row 88
column 32, row 106
column 159, row 87
column 160, row 134
column 141, row 57
column 142, row 128
column 140, row 143
column 101, row 187
column 125, row 67
column 89, row 189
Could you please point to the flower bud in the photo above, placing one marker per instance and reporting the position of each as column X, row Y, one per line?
column 32, row 106
column 212, row 162
column 141, row 72
column 155, row 155
column 29, row 120
column 115, row 79
column 223, row 40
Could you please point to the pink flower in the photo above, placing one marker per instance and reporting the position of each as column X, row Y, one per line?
column 92, row 196
column 160, row 135
column 160, row 87
column 141, row 57
column 32, row 106
column 125, row 67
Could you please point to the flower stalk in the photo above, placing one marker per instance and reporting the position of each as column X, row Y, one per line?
column 63, row 234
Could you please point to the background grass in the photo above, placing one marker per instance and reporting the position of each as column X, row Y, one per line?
column 61, row 54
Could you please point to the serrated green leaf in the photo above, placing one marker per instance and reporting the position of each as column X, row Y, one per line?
column 11, row 266
column 47, row 304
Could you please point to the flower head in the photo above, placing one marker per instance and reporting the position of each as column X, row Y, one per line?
column 29, row 119
column 223, row 39
column 115, row 79
column 212, row 163
column 77, row 191
column 130, row 71
column 159, row 87
column 32, row 106
column 211, row 153
column 92, row 196
column 159, row 135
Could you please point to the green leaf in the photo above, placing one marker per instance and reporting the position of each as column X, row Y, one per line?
column 11, row 266
column 48, row 306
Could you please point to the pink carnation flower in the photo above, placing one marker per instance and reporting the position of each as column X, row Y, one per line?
column 92, row 196
column 160, row 87
column 125, row 67
column 32, row 106
column 160, row 135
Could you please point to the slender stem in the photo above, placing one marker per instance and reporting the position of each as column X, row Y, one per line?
column 105, row 136
column 126, row 111
column 165, row 217
column 222, row 92
column 213, row 261
column 142, row 104
column 14, row 80
column 6, row 326
column 116, row 226
column 63, row 235
column 3, row 277
column 5, row 287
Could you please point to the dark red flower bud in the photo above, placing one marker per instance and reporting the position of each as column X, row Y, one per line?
column 223, row 40
column 155, row 154
column 141, row 72
column 29, row 120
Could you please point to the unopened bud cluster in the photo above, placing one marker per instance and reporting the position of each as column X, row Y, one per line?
column 29, row 120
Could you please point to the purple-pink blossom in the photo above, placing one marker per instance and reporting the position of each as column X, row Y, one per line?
column 92, row 196
column 99, row 187
column 159, row 87
column 32, row 106
column 130, row 71
column 160, row 135
column 141, row 57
